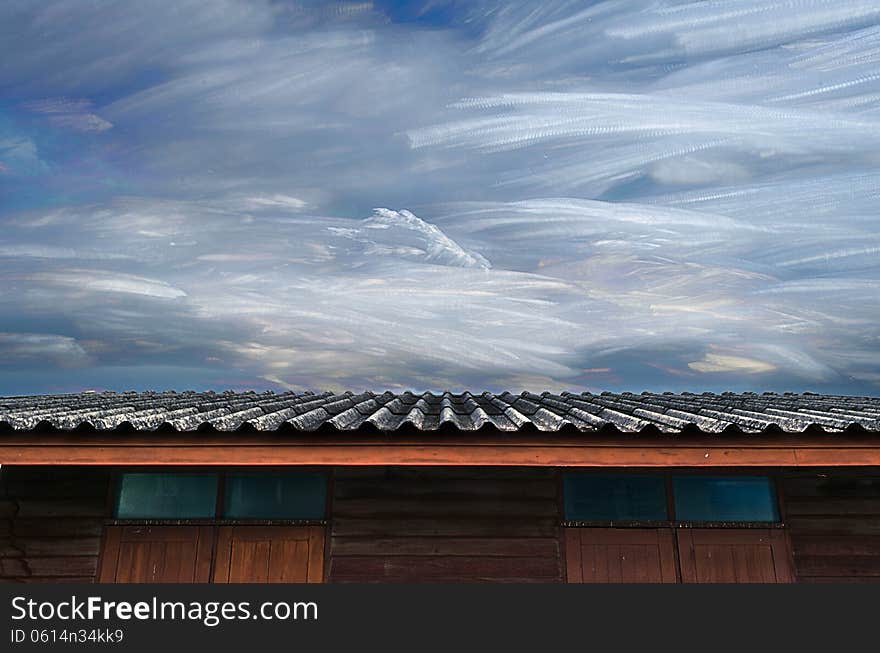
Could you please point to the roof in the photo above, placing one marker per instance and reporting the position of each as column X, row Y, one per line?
column 546, row 412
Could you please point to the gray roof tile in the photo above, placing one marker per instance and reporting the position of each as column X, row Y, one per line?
column 306, row 411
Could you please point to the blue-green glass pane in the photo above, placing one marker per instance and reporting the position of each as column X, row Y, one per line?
column 725, row 498
column 600, row 497
column 167, row 496
column 275, row 496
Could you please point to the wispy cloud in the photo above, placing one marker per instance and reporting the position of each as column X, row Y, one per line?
column 441, row 194
column 73, row 114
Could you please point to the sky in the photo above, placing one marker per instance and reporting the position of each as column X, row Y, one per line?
column 440, row 195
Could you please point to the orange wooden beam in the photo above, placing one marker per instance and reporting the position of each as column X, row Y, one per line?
column 815, row 453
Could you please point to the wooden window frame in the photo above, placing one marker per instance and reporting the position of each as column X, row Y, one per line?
column 116, row 492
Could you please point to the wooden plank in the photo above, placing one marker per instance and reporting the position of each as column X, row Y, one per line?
column 13, row 568
column 10, row 548
column 446, row 546
column 223, row 554
column 835, row 506
column 441, row 488
column 820, row 494
column 668, row 556
column 61, row 507
column 686, row 555
column 838, row 457
column 473, row 506
column 89, row 491
column 533, row 527
column 315, row 553
column 204, row 554
column 58, row 526
column 57, row 579
column 70, row 546
column 63, row 566
column 839, row 579
column 449, row 569
column 829, row 546
column 288, row 560
column 839, row 565
column 249, row 561
column 109, row 556
column 833, row 526
column 574, row 572
column 48, row 482
column 585, row 454
column 131, row 564
column 459, row 475
column 782, row 557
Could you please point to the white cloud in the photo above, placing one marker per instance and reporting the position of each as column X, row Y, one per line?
column 725, row 363
column 71, row 114
column 40, row 348
column 403, row 234
column 99, row 281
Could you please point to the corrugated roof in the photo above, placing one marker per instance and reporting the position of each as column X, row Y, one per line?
column 627, row 412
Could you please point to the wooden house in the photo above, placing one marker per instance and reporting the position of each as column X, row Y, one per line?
column 301, row 487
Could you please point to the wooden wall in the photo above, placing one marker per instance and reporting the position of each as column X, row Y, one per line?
column 432, row 524
column 834, row 521
column 50, row 523
column 445, row 524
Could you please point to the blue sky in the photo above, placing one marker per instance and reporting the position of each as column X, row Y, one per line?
column 622, row 195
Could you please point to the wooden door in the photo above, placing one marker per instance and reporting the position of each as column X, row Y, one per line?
column 156, row 554
column 270, row 554
column 620, row 555
column 754, row 555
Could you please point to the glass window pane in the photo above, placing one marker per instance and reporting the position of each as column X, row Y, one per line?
column 725, row 498
column 167, row 496
column 275, row 496
column 599, row 497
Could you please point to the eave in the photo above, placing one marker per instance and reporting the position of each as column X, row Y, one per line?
column 597, row 450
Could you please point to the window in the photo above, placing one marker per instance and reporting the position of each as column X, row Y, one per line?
column 612, row 498
column 246, row 495
column 275, row 496
column 607, row 498
column 724, row 498
column 167, row 496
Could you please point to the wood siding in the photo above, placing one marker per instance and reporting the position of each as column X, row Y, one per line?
column 445, row 525
column 834, row 524
column 51, row 520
